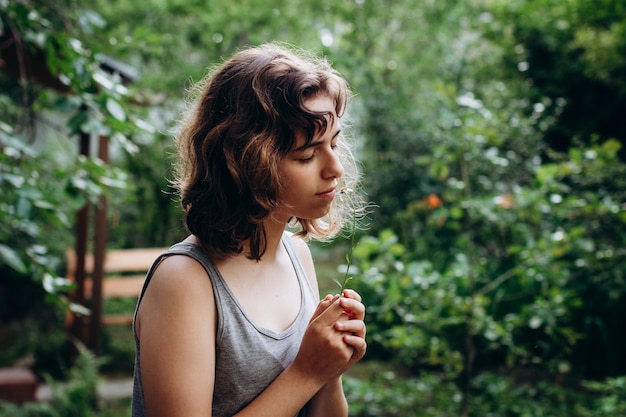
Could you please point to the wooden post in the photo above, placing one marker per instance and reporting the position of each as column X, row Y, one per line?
column 79, row 325
column 99, row 252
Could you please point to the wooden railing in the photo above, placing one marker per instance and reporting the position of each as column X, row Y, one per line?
column 124, row 274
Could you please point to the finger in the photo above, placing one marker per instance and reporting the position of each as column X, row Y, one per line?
column 353, row 308
column 330, row 311
column 354, row 327
column 357, row 343
column 351, row 294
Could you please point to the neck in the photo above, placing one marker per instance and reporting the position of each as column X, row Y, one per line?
column 273, row 234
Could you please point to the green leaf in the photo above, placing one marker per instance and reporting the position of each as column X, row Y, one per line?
column 115, row 109
column 53, row 284
column 79, row 309
column 76, row 121
column 11, row 258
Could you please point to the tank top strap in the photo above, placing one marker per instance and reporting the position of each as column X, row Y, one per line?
column 193, row 251
column 305, row 285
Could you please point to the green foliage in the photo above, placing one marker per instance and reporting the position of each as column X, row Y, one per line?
column 146, row 213
column 76, row 398
column 572, row 53
column 501, row 396
column 387, row 394
column 43, row 184
column 39, row 199
column 609, row 398
column 532, row 283
column 517, row 282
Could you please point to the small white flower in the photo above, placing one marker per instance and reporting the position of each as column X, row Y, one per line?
column 345, row 190
column 358, row 213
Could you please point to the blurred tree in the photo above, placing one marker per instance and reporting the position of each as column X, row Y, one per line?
column 572, row 54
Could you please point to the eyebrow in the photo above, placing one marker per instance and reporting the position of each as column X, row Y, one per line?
column 317, row 143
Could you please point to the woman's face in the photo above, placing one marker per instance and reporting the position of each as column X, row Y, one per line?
column 311, row 172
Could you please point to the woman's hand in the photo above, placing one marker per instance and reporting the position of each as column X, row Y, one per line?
column 354, row 325
column 334, row 339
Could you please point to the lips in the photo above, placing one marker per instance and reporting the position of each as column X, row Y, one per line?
column 327, row 193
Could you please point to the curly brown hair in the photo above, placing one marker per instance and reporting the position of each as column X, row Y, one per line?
column 243, row 121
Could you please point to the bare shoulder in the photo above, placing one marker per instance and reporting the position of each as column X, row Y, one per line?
column 180, row 274
column 178, row 284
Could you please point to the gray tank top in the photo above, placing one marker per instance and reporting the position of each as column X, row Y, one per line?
column 248, row 357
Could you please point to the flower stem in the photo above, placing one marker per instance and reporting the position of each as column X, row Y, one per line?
column 347, row 278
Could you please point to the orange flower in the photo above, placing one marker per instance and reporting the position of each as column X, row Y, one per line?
column 433, row 201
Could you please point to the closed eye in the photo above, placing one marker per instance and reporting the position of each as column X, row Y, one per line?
column 307, row 159
column 315, row 145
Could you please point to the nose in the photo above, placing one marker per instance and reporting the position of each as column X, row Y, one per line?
column 333, row 167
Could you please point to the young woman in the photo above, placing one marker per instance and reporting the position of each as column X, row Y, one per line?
column 229, row 322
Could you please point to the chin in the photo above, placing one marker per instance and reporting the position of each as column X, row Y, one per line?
column 314, row 214
column 319, row 215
